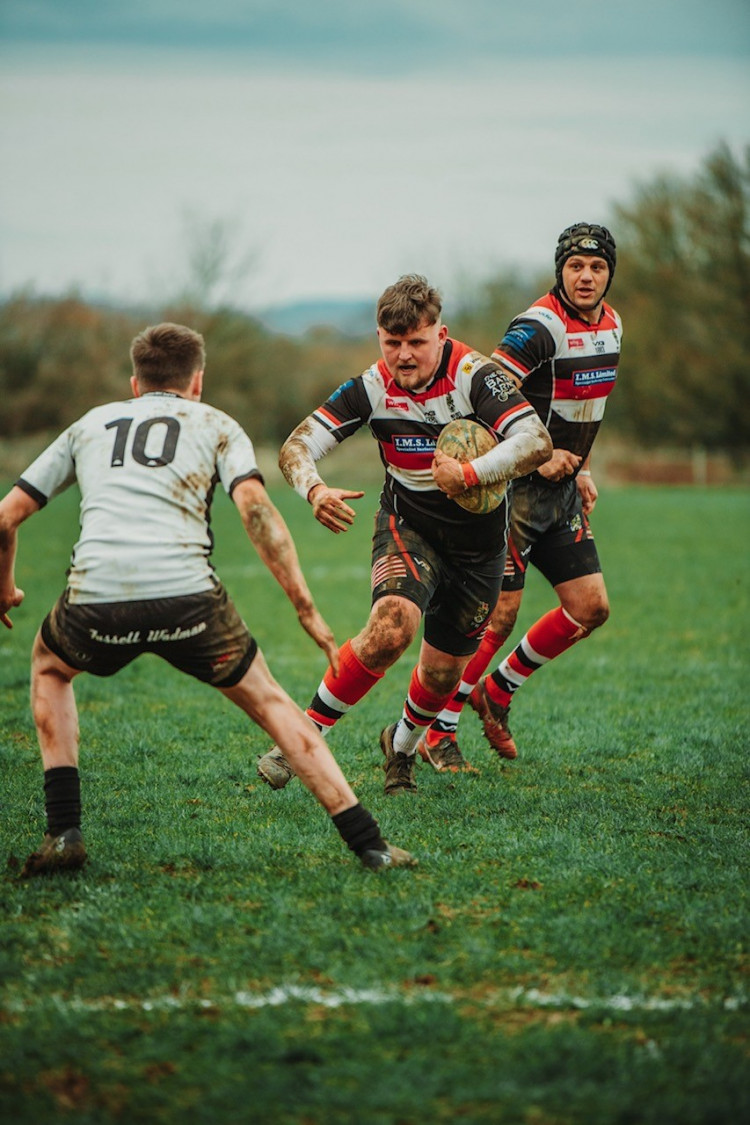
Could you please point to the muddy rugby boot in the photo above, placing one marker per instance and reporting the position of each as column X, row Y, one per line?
column 399, row 768
column 66, row 852
column 494, row 721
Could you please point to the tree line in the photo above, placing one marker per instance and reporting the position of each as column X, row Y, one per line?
column 682, row 287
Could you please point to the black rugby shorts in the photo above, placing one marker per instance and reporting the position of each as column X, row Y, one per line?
column 456, row 600
column 200, row 634
column 549, row 530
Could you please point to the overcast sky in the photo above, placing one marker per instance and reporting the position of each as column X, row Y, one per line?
column 339, row 146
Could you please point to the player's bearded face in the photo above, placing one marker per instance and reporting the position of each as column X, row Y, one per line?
column 413, row 358
column 584, row 279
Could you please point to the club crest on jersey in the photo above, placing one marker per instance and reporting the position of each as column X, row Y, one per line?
column 414, row 444
column 481, row 613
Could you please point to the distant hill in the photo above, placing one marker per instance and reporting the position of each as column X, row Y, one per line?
column 354, row 317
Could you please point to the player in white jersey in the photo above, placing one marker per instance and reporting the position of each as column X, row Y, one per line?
column 563, row 352
column 141, row 580
column 430, row 558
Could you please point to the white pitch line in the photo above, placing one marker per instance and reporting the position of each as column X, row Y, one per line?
column 338, row 998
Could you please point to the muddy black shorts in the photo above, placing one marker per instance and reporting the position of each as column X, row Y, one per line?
column 456, row 600
column 549, row 530
column 201, row 634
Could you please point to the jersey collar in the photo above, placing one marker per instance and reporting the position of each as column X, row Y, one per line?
column 557, row 291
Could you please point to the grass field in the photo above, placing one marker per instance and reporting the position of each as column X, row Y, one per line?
column 572, row 948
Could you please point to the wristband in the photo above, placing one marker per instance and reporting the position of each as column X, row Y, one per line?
column 584, row 472
column 470, row 474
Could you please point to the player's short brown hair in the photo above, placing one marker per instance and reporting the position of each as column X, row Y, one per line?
column 407, row 303
column 167, row 355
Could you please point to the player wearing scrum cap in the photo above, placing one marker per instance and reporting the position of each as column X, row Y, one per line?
column 429, row 557
column 563, row 352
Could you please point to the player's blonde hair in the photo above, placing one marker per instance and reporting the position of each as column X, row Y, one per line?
column 167, row 355
column 407, row 303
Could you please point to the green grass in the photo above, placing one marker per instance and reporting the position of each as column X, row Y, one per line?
column 572, row 948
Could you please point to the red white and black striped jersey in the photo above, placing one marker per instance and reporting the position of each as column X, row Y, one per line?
column 407, row 424
column 567, row 367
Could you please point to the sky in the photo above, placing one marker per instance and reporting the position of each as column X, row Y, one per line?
column 320, row 151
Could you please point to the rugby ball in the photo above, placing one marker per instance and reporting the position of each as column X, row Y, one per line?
column 464, row 439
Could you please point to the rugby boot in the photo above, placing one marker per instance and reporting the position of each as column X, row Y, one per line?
column 66, row 852
column 494, row 721
column 274, row 769
column 399, row 768
column 376, row 859
column 443, row 754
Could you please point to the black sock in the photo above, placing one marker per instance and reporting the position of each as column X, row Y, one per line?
column 359, row 830
column 62, row 799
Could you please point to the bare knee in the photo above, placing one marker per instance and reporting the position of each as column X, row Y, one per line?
column 441, row 680
column 505, row 613
column 599, row 616
column 591, row 616
column 585, row 600
column 391, row 628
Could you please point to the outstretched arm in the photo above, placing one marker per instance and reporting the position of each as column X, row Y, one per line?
column 306, row 444
column 16, row 507
column 272, row 540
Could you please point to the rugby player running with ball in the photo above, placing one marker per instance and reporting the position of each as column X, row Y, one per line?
column 430, row 557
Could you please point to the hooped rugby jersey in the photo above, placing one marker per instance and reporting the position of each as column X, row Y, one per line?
column 567, row 367
column 147, row 469
column 406, row 426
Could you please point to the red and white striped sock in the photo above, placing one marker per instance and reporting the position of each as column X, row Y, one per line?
column 547, row 638
column 446, row 723
column 337, row 694
column 420, row 708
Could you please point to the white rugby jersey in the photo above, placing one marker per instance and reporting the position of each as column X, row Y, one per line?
column 147, row 468
column 567, row 367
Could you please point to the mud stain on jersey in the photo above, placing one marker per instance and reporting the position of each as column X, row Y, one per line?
column 184, row 491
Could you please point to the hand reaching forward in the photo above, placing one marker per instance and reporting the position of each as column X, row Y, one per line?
column 330, row 509
column 317, row 628
column 10, row 602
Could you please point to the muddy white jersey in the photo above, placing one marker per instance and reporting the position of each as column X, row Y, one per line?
column 147, row 469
